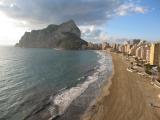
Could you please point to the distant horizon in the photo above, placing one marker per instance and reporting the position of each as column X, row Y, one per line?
column 12, row 45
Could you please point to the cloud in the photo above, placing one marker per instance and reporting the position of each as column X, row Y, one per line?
column 84, row 12
column 103, row 37
column 128, row 8
column 94, row 33
column 90, row 15
column 38, row 13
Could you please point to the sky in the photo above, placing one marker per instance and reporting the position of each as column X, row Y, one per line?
column 99, row 20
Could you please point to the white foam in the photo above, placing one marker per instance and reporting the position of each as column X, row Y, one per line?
column 64, row 99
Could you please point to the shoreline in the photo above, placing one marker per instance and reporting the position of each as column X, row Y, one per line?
column 125, row 100
column 79, row 105
column 103, row 92
column 105, row 87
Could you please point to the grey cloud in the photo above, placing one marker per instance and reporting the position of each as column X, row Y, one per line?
column 84, row 12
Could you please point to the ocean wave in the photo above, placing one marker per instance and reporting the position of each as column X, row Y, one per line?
column 63, row 100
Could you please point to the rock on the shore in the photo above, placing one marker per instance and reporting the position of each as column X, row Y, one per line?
column 64, row 36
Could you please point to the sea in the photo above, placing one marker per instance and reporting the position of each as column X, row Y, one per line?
column 50, row 84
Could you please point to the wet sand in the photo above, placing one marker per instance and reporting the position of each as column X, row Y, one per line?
column 130, row 97
column 81, row 103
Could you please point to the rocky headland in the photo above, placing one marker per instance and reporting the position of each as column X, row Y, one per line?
column 64, row 36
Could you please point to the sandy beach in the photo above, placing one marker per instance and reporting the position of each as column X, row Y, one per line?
column 131, row 96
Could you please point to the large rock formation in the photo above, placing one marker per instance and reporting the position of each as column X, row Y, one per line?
column 63, row 36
